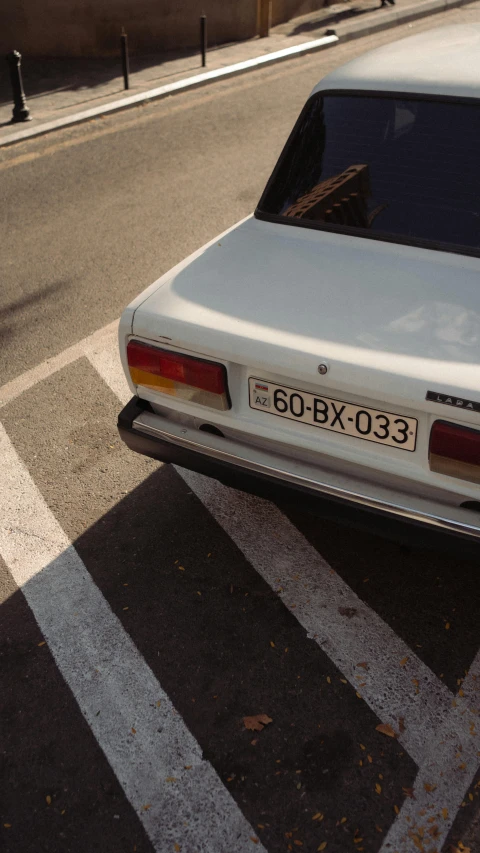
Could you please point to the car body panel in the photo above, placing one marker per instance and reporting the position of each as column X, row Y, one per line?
column 441, row 62
column 385, row 317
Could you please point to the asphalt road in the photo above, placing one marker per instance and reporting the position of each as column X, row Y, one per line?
column 129, row 661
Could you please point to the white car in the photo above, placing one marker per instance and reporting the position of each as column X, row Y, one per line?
column 327, row 348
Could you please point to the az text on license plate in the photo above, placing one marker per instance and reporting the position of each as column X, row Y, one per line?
column 336, row 415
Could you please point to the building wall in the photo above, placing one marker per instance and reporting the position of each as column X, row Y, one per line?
column 92, row 27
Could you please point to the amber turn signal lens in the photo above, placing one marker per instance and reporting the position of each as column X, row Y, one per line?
column 455, row 450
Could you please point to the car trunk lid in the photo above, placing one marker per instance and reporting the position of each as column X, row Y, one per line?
column 390, row 321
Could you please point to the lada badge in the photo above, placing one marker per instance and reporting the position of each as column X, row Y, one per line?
column 452, row 400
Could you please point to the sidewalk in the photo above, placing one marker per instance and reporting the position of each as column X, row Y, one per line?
column 59, row 91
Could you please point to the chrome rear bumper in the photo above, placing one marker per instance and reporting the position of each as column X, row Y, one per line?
column 248, row 468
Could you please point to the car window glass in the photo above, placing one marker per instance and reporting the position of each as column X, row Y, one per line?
column 404, row 168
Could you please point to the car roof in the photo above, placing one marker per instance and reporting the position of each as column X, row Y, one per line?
column 441, row 61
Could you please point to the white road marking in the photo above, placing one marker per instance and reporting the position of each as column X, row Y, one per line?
column 105, row 359
column 452, row 760
column 104, row 338
column 114, row 687
column 440, row 737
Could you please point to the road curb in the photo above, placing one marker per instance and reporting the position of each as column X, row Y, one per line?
column 171, row 89
column 386, row 20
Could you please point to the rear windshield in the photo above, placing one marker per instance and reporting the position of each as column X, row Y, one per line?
column 401, row 169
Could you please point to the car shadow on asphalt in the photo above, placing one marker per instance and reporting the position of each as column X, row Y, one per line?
column 223, row 644
column 216, row 635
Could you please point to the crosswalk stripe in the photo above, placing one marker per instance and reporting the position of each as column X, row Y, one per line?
column 176, row 793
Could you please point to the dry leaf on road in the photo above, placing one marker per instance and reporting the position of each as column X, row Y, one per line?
column 409, row 793
column 257, row 722
column 385, row 729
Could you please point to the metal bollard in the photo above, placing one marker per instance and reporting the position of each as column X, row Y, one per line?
column 20, row 109
column 124, row 49
column 203, row 38
column 265, row 18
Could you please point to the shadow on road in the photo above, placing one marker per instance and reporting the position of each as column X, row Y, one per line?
column 53, row 75
column 318, row 22
column 205, row 622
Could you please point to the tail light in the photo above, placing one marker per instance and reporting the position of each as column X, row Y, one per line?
column 455, row 451
column 182, row 376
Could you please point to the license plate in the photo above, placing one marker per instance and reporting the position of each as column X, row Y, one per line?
column 335, row 415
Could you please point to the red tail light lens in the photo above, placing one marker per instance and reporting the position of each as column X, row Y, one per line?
column 193, row 379
column 455, row 451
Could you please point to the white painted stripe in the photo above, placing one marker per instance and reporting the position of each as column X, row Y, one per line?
column 452, row 761
column 102, row 339
column 471, row 686
column 114, row 687
column 105, row 358
column 170, row 89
